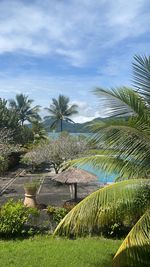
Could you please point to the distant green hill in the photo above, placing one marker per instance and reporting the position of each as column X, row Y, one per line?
column 71, row 127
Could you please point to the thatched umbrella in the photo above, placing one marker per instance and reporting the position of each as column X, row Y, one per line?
column 73, row 176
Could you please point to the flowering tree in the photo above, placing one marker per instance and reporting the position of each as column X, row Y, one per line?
column 56, row 152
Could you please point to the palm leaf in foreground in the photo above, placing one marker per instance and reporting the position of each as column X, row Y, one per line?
column 128, row 141
column 96, row 210
column 135, row 249
column 110, row 162
column 122, row 101
column 141, row 75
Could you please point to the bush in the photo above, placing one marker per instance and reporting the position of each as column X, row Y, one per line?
column 126, row 215
column 56, row 213
column 3, row 164
column 69, row 205
column 141, row 202
column 13, row 217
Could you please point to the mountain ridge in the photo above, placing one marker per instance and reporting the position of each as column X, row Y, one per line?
column 71, row 127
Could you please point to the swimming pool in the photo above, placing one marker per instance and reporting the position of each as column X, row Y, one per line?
column 103, row 177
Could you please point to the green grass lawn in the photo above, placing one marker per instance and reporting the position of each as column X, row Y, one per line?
column 46, row 251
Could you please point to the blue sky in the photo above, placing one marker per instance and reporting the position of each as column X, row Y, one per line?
column 70, row 47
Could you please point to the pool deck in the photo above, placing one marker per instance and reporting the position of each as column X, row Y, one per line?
column 49, row 193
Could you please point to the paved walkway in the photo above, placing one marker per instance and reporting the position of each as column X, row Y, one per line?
column 49, row 193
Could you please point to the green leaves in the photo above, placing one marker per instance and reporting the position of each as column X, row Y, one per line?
column 60, row 111
column 22, row 106
column 123, row 101
column 141, row 76
column 135, row 249
column 98, row 209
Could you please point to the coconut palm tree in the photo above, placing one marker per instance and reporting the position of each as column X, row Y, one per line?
column 60, row 111
column 22, row 106
column 39, row 132
column 126, row 151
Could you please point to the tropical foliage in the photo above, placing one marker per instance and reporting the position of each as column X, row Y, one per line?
column 135, row 250
column 126, row 144
column 117, row 203
column 8, row 119
column 22, row 107
column 13, row 218
column 6, row 148
column 39, row 132
column 60, row 111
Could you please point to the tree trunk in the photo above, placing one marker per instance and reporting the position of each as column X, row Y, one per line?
column 56, row 170
column 75, row 191
column 61, row 125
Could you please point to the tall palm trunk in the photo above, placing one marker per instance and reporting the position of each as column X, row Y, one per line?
column 61, row 125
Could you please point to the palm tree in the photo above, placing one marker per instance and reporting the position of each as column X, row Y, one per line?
column 39, row 132
column 127, row 151
column 22, row 106
column 60, row 111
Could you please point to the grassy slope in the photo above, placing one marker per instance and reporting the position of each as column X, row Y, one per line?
column 45, row 252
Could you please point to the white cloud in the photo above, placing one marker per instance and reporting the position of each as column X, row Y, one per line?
column 75, row 30
column 89, row 34
column 86, row 111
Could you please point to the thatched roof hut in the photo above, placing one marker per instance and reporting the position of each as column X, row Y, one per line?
column 73, row 176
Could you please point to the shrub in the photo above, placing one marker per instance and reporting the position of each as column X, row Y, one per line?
column 13, row 216
column 51, row 210
column 141, row 201
column 57, row 213
column 3, row 164
column 31, row 188
column 69, row 205
column 126, row 215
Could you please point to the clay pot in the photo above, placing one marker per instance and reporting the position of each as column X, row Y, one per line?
column 30, row 195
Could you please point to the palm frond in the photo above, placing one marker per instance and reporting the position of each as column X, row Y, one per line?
column 54, row 124
column 128, row 142
column 110, row 163
column 134, row 122
column 12, row 104
column 96, row 210
column 122, row 101
column 22, row 106
column 135, row 249
column 71, row 110
column 60, row 109
column 69, row 120
column 141, row 75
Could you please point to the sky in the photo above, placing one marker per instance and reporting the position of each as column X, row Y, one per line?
column 70, row 47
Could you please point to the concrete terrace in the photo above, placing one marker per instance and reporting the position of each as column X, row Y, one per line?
column 49, row 193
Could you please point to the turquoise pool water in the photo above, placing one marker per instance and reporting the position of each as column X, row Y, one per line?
column 103, row 177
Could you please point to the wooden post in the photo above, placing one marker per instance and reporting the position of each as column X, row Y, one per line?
column 75, row 191
column 71, row 191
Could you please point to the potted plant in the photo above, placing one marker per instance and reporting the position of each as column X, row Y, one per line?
column 30, row 194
